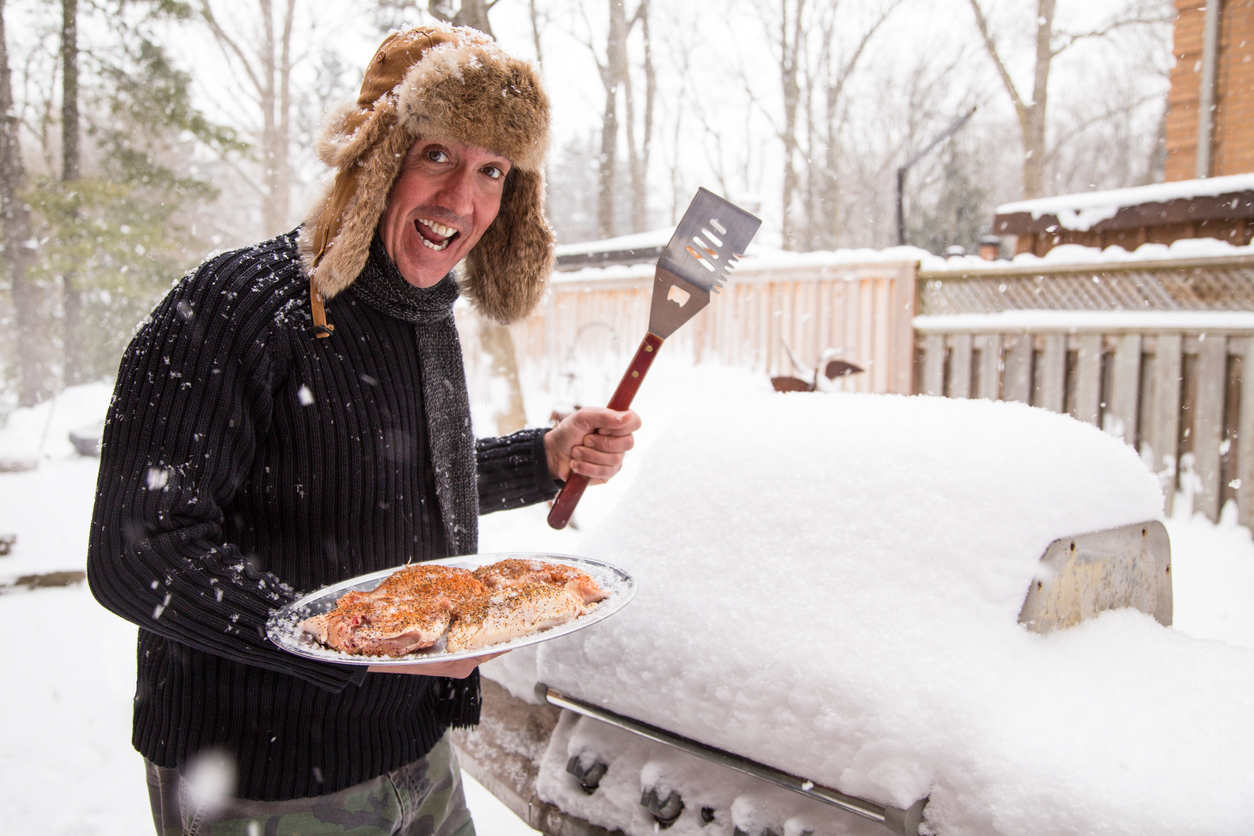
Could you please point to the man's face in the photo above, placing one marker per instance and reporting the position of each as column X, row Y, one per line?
column 445, row 197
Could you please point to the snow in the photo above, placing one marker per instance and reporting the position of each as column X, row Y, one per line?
column 1117, row 726
column 1076, row 321
column 1083, row 210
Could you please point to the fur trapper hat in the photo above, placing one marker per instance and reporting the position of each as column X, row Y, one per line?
column 443, row 83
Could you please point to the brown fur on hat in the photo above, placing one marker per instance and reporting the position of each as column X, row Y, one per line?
column 439, row 83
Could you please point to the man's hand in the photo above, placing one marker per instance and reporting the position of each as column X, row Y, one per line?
column 456, row 669
column 590, row 442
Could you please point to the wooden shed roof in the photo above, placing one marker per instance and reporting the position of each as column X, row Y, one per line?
column 1182, row 201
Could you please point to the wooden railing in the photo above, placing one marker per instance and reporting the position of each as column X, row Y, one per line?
column 1152, row 352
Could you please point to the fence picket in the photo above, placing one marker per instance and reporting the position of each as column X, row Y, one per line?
column 1164, row 431
column 1208, row 422
column 960, row 366
column 1051, row 374
column 990, row 366
column 934, row 364
column 1125, row 400
column 1088, row 389
column 1245, row 436
column 1019, row 369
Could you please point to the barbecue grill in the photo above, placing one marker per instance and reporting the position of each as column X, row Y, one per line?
column 1128, row 566
column 894, row 542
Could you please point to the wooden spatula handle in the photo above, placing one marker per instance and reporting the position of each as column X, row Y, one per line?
column 568, row 496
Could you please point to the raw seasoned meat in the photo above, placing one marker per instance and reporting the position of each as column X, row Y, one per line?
column 514, row 571
column 417, row 605
column 513, row 611
column 409, row 610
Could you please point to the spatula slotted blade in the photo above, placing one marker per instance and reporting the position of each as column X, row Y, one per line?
column 710, row 237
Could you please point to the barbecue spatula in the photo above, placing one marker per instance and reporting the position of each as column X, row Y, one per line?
column 711, row 235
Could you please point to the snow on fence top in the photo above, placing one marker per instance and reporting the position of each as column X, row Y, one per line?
column 830, row 584
column 762, row 260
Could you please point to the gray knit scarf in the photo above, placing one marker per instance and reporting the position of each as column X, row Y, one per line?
column 445, row 401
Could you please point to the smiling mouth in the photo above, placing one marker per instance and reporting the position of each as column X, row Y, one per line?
column 434, row 236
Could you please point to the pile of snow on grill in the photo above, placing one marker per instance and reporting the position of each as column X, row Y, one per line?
column 830, row 584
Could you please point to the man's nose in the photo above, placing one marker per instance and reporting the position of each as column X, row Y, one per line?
column 457, row 196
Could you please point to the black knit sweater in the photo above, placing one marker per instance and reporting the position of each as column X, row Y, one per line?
column 244, row 463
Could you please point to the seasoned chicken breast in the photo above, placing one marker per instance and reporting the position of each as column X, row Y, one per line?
column 513, row 611
column 515, row 571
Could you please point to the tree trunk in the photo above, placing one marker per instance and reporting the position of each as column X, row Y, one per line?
column 32, row 357
column 611, row 78
column 790, row 50
column 71, row 293
column 267, row 70
column 1031, row 114
column 472, row 13
column 640, row 154
column 275, row 97
column 1034, row 125
column 498, row 343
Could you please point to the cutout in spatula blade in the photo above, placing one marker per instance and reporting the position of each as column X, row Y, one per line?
column 710, row 237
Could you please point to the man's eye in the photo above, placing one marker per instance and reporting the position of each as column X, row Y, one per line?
column 435, row 155
column 493, row 172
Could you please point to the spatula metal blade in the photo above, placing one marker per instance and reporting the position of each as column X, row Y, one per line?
column 710, row 237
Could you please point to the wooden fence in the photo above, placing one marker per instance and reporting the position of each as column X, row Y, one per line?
column 1152, row 352
column 861, row 311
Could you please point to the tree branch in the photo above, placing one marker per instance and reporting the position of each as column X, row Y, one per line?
column 1006, row 80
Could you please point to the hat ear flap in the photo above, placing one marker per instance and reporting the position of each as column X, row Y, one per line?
column 506, row 273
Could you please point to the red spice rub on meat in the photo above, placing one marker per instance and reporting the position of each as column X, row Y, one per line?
column 415, row 606
column 410, row 610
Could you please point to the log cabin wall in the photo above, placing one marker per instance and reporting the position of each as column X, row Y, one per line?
column 1153, row 352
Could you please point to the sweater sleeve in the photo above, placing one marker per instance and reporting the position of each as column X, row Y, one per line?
column 513, row 471
column 193, row 396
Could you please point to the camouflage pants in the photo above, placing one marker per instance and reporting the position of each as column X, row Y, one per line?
column 423, row 798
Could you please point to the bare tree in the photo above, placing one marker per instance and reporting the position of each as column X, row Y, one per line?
column 790, row 42
column 32, row 356
column 834, row 72
column 71, row 294
column 614, row 70
column 1049, row 43
column 266, row 66
column 472, row 13
column 813, row 73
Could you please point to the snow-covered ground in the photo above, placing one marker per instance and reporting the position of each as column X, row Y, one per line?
column 66, row 764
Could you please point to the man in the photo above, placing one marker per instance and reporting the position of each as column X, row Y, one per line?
column 295, row 414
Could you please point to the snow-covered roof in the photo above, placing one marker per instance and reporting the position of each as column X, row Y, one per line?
column 1084, row 210
column 622, row 243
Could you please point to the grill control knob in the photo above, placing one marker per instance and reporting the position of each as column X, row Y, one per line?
column 665, row 810
column 588, row 777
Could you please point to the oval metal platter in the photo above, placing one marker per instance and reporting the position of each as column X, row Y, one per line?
column 283, row 627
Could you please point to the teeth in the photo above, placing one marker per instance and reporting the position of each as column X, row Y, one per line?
column 430, row 246
column 438, row 229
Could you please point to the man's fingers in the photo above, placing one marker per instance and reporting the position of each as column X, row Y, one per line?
column 609, row 443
